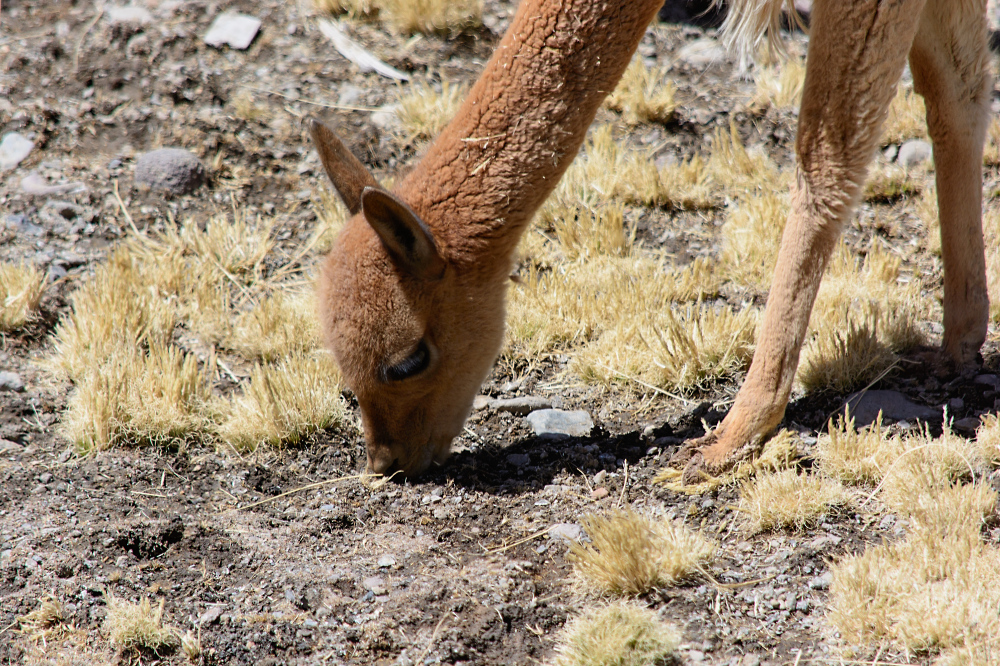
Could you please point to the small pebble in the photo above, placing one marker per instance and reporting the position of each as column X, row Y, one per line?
column 558, row 422
column 13, row 149
column 599, row 493
column 914, row 153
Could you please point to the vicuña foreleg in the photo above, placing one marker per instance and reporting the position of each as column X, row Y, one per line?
column 950, row 65
column 856, row 56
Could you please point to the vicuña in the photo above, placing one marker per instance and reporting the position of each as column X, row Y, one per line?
column 412, row 293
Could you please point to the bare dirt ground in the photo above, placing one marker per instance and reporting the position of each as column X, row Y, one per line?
column 439, row 570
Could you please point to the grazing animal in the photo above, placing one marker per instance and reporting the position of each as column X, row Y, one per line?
column 412, row 293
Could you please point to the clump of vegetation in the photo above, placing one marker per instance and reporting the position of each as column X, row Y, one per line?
column 780, row 86
column 788, row 498
column 631, row 554
column 618, row 635
column 136, row 383
column 410, row 16
column 45, row 622
column 643, row 95
column 424, row 111
column 906, row 119
column 139, row 627
column 21, row 288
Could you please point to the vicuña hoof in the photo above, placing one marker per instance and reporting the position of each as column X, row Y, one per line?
column 710, row 456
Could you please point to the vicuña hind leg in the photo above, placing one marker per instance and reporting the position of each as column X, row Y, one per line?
column 950, row 64
column 856, row 55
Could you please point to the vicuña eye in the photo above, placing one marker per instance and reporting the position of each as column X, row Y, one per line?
column 412, row 365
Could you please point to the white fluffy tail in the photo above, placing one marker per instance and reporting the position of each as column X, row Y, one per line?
column 749, row 22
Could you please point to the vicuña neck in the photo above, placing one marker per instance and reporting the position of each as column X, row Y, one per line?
column 523, row 122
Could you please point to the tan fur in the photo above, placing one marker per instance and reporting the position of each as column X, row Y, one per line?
column 481, row 181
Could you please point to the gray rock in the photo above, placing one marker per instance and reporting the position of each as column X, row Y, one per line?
column 890, row 153
column 558, row 422
column 386, row 117
column 988, row 380
column 350, row 95
column 566, row 532
column 11, row 381
column 702, row 53
column 480, row 402
column 13, row 149
column 8, row 447
column 128, row 14
column 236, row 30
column 966, row 426
column 386, row 561
column 913, row 153
column 895, row 406
column 375, row 585
column 211, row 616
column 172, row 169
column 20, row 223
column 520, row 406
column 518, row 459
column 822, row 582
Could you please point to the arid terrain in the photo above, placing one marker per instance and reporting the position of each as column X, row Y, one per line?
column 272, row 549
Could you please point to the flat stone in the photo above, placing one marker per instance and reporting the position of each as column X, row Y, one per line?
column 375, row 585
column 702, row 53
column 13, row 149
column 521, row 406
column 386, row 561
column 988, row 380
column 480, row 402
column 11, row 381
column 566, row 532
column 8, row 447
column 966, row 426
column 914, row 153
column 599, row 493
column 559, row 422
column 128, row 14
column 518, row 459
column 34, row 185
column 895, row 406
column 211, row 616
column 236, row 30
column 172, row 169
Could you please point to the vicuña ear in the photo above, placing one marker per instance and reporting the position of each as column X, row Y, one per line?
column 403, row 233
column 345, row 171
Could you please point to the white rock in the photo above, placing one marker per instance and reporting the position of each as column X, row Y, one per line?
column 914, row 153
column 566, row 532
column 13, row 149
column 11, row 381
column 386, row 561
column 236, row 30
column 376, row 584
column 128, row 14
column 558, row 422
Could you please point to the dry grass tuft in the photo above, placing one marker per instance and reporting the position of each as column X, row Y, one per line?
column 643, row 95
column 788, row 499
column 409, row 16
column 139, row 626
column 618, row 635
column 285, row 402
column 587, row 230
column 888, row 183
column 126, row 344
column 906, row 119
column 45, row 622
column 864, row 315
column 631, row 554
column 21, row 287
column 780, row 86
column 683, row 350
column 158, row 396
column 424, row 111
column 857, row 456
column 991, row 152
column 740, row 170
column 750, row 239
column 938, row 589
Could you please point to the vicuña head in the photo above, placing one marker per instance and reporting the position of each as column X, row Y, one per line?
column 412, row 293
column 414, row 334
